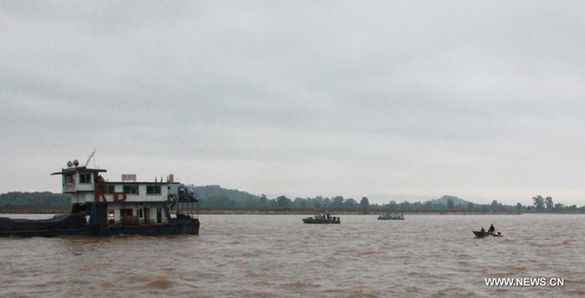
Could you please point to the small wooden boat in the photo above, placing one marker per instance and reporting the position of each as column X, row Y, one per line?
column 322, row 219
column 391, row 217
column 483, row 234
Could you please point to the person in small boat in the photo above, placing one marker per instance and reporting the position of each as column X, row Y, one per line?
column 482, row 230
column 491, row 229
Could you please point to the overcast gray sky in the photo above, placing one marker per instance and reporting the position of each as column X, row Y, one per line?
column 386, row 99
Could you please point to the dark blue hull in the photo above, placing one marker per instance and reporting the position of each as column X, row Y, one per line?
column 182, row 226
column 321, row 221
column 483, row 234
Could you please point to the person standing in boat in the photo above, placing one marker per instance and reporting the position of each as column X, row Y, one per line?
column 491, row 229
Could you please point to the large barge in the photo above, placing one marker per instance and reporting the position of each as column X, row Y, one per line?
column 102, row 208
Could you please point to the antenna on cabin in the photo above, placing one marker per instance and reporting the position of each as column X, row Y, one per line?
column 89, row 158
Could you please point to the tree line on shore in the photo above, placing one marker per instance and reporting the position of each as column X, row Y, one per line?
column 214, row 197
column 33, row 202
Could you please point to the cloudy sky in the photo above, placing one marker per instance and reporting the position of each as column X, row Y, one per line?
column 386, row 99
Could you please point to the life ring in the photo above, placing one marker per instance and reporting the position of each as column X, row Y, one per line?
column 119, row 197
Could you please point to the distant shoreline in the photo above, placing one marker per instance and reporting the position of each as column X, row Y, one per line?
column 228, row 212
column 304, row 212
column 217, row 200
column 274, row 212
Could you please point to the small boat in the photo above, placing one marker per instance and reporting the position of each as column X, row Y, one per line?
column 392, row 216
column 483, row 234
column 322, row 219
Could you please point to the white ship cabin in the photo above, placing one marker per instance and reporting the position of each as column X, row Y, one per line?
column 128, row 201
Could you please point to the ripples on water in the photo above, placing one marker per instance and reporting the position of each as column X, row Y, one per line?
column 278, row 255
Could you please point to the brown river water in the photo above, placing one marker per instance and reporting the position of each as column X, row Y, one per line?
column 279, row 256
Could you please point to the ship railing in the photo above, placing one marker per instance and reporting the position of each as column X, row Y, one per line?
column 187, row 208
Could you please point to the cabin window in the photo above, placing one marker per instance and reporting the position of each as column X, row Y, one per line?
column 131, row 189
column 126, row 212
column 109, row 189
column 69, row 179
column 84, row 178
column 140, row 213
column 153, row 189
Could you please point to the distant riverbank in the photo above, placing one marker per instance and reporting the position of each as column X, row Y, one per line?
column 292, row 212
column 218, row 200
column 34, row 211
column 273, row 212
column 276, row 212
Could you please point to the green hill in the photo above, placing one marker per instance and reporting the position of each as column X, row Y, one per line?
column 210, row 191
column 34, row 202
column 457, row 202
column 217, row 197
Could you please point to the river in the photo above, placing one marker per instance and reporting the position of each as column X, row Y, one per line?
column 278, row 255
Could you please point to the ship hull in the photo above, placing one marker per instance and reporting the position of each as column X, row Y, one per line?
column 320, row 222
column 182, row 226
